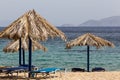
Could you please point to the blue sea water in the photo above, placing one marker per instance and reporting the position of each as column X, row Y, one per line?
column 58, row 56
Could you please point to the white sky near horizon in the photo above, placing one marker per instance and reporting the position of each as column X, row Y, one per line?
column 60, row 12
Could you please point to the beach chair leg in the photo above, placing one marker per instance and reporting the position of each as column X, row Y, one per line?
column 17, row 74
column 63, row 75
column 25, row 74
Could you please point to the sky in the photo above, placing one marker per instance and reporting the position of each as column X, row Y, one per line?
column 59, row 12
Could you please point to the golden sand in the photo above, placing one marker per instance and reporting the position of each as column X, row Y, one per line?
column 113, row 75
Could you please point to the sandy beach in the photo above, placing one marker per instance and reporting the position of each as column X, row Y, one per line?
column 112, row 75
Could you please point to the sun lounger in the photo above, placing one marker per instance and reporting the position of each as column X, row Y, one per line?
column 26, row 65
column 14, row 70
column 45, row 71
column 77, row 70
column 18, row 69
column 98, row 69
column 3, row 67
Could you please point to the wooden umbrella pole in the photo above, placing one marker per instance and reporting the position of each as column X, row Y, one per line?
column 30, row 56
column 20, row 51
column 23, row 56
column 88, row 58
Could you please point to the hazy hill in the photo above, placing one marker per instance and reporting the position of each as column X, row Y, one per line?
column 67, row 25
column 110, row 21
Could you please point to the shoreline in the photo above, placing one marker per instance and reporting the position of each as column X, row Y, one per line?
column 107, row 75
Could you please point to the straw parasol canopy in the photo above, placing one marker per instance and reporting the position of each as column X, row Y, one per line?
column 31, row 24
column 13, row 46
column 89, row 39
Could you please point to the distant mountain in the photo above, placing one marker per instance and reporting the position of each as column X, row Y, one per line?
column 67, row 25
column 110, row 21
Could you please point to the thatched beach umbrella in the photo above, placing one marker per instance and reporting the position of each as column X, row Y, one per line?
column 13, row 46
column 31, row 26
column 89, row 39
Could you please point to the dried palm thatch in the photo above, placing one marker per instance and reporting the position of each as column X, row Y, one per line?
column 31, row 24
column 14, row 46
column 89, row 39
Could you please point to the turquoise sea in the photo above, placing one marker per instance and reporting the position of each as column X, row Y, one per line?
column 58, row 56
